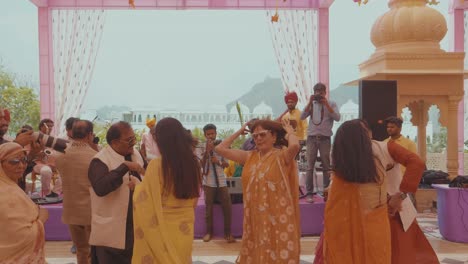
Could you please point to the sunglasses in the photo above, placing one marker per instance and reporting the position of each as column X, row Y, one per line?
column 260, row 134
column 17, row 161
column 130, row 141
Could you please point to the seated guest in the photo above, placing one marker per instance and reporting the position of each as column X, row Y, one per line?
column 164, row 202
column 45, row 165
column 22, row 238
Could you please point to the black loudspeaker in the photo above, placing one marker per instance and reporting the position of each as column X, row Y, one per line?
column 377, row 101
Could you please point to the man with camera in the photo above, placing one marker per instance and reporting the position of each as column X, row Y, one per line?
column 214, row 184
column 322, row 113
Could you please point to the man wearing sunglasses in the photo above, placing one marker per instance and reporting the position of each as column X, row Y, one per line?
column 322, row 113
column 24, row 138
column 113, row 174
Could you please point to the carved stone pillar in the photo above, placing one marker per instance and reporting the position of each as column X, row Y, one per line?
column 452, row 136
column 419, row 110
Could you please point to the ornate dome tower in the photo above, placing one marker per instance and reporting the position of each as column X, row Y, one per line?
column 409, row 26
column 407, row 40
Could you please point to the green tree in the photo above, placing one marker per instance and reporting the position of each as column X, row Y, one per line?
column 20, row 100
column 237, row 144
column 6, row 79
column 439, row 142
column 198, row 134
column 23, row 104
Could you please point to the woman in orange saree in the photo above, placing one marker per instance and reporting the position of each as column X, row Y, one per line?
column 357, row 229
column 164, row 201
column 271, row 230
column 23, row 240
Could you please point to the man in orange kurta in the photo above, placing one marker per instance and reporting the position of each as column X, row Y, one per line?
column 410, row 247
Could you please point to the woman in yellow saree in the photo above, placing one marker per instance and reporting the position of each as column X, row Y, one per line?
column 22, row 238
column 271, row 230
column 357, row 229
column 164, row 201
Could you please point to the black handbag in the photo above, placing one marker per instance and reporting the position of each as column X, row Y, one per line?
column 434, row 177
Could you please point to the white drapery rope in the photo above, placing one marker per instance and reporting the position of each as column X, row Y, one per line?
column 295, row 43
column 76, row 37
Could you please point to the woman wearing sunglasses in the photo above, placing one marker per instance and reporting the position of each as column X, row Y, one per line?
column 23, row 240
column 271, row 230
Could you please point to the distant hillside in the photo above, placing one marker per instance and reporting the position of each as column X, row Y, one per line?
column 343, row 93
column 271, row 92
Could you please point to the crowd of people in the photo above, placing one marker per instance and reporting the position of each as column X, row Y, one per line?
column 127, row 206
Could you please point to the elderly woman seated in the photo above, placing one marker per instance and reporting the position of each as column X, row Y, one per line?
column 23, row 241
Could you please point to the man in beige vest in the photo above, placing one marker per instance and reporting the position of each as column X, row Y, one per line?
column 73, row 167
column 113, row 173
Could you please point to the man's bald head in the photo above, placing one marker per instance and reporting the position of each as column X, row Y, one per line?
column 82, row 129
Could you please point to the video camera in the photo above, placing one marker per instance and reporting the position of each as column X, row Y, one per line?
column 57, row 144
column 316, row 97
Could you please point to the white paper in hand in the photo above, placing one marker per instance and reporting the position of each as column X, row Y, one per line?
column 408, row 213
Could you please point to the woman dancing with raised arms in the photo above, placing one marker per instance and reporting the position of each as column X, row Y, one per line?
column 271, row 230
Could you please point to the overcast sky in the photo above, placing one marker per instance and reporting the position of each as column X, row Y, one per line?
column 175, row 58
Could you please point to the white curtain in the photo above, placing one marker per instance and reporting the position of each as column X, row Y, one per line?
column 76, row 37
column 295, row 43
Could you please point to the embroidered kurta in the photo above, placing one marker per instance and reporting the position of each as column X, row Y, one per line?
column 271, row 231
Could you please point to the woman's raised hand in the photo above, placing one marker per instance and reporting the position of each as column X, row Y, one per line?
column 244, row 130
column 287, row 126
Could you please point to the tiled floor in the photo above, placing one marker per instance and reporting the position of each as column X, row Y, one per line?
column 219, row 252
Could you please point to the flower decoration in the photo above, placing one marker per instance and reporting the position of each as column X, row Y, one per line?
column 275, row 17
column 360, row 1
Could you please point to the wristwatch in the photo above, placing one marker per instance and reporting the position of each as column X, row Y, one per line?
column 403, row 195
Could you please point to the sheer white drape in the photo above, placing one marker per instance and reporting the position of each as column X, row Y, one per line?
column 76, row 37
column 295, row 37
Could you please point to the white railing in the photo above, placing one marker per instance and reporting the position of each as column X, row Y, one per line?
column 438, row 161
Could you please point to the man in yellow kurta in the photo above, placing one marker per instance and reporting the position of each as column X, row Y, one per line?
column 294, row 116
column 394, row 125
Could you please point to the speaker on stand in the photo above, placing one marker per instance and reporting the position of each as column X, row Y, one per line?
column 377, row 101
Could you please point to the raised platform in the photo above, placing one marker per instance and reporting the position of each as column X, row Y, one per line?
column 311, row 220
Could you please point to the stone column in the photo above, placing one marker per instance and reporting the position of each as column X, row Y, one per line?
column 419, row 110
column 452, row 136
